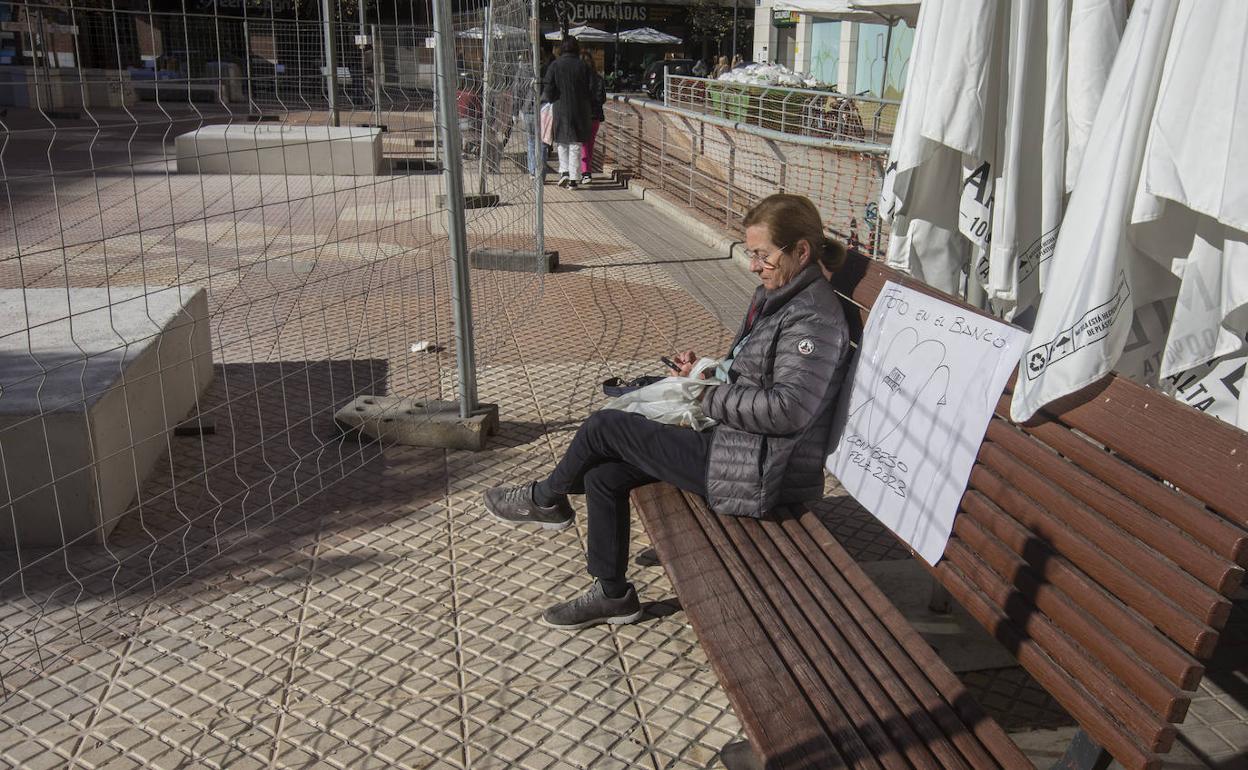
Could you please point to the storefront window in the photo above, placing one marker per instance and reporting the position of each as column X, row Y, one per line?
column 825, row 50
column 786, row 46
column 871, row 39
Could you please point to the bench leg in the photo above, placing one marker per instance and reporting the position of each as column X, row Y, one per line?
column 647, row 558
column 1083, row 754
column 740, row 756
column 939, row 601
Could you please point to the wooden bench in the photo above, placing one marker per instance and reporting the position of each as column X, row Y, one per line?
column 1099, row 544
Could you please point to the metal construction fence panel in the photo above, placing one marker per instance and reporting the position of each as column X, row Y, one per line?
column 820, row 114
column 219, row 229
column 720, row 168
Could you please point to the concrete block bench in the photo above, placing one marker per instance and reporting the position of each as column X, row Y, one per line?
column 280, row 149
column 91, row 383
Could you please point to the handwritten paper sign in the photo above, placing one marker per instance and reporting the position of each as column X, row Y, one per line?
column 927, row 377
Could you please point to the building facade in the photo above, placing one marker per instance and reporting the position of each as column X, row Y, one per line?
column 848, row 55
column 692, row 21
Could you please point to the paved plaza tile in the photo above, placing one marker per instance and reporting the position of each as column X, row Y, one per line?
column 293, row 597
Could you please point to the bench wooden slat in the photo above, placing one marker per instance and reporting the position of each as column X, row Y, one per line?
column 861, row 279
column 1210, row 529
column 882, row 659
column 775, row 589
column 1039, row 631
column 852, row 673
column 1191, row 633
column 764, row 694
column 1136, row 630
column 1084, row 626
column 1077, row 701
column 940, row 690
column 1220, row 573
column 1206, row 458
column 1146, row 564
column 860, row 737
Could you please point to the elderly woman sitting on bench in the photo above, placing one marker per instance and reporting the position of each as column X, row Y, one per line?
column 774, row 416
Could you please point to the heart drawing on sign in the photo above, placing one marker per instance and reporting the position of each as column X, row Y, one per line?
column 911, row 372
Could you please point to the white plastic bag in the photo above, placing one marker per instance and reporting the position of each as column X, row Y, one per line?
column 673, row 400
column 770, row 75
column 548, row 123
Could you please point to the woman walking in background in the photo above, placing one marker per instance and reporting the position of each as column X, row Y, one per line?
column 567, row 88
column 597, row 98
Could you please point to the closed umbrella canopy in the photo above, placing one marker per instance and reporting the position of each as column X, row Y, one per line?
column 1197, row 153
column 940, row 141
column 584, row 33
column 1149, row 272
column 1100, row 279
column 650, row 36
column 978, row 162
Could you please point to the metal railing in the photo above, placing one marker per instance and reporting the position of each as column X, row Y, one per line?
column 719, row 168
column 800, row 111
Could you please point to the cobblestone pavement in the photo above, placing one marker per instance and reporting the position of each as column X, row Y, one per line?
column 362, row 610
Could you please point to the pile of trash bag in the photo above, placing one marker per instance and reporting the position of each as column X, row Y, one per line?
column 770, row 75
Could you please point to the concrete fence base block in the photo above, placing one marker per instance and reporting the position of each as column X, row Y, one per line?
column 415, row 422
column 416, row 165
column 617, row 173
column 470, row 201
column 513, row 260
column 197, row 426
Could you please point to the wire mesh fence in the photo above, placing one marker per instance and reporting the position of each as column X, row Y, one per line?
column 720, row 168
column 800, row 111
column 223, row 223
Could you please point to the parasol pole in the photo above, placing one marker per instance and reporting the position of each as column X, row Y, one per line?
column 888, row 47
column 734, row 31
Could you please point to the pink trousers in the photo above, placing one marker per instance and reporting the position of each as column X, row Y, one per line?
column 587, row 149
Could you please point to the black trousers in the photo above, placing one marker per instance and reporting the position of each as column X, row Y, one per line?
column 614, row 452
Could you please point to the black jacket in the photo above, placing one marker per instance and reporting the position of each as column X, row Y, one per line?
column 567, row 87
column 775, row 414
column 598, row 97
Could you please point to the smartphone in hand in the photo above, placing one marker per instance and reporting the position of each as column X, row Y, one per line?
column 670, row 364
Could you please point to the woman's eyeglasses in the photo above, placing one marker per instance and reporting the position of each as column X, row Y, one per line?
column 765, row 259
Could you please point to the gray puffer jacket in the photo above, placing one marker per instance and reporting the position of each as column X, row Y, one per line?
column 775, row 413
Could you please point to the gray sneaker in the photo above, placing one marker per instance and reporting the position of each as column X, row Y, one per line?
column 515, row 505
column 593, row 607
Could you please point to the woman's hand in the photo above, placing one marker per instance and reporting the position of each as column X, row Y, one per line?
column 684, row 362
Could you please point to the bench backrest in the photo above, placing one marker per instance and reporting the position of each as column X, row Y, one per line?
column 1099, row 543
